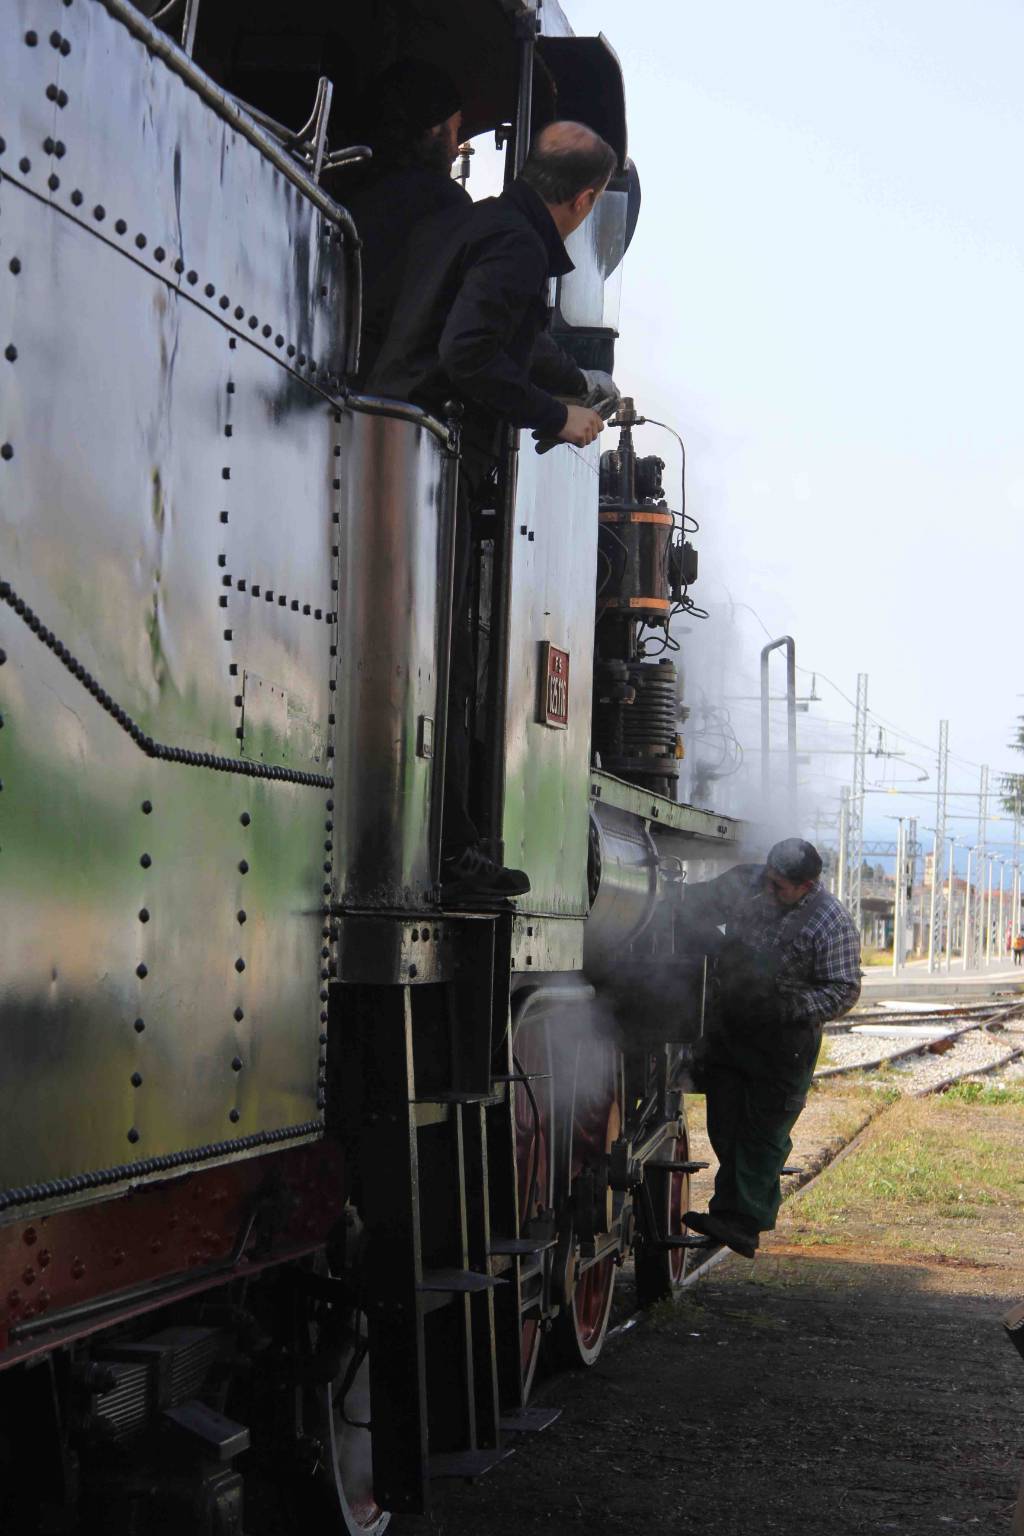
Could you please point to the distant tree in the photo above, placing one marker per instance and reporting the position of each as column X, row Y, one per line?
column 1011, row 786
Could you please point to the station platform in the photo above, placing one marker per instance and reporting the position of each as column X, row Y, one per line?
column 915, row 984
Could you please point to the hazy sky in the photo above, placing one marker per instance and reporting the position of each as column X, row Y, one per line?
column 824, row 293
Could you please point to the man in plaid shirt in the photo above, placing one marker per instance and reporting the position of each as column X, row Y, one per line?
column 789, row 962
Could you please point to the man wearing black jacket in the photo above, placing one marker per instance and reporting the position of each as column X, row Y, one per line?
column 471, row 324
column 474, row 303
column 410, row 118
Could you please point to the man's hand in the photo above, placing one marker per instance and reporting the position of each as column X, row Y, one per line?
column 602, row 392
column 581, row 426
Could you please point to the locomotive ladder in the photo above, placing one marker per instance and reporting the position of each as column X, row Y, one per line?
column 435, row 1187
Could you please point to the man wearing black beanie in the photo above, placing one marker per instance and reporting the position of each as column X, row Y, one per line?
column 788, row 963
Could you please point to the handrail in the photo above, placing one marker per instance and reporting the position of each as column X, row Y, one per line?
column 403, row 410
column 233, row 112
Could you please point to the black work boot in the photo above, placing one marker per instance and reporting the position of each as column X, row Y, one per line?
column 723, row 1231
column 472, row 875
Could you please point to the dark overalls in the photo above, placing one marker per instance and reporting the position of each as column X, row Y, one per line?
column 756, row 1074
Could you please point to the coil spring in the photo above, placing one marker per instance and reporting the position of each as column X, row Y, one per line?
column 650, row 721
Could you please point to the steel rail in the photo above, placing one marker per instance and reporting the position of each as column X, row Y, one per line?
column 851, row 1020
column 915, row 1048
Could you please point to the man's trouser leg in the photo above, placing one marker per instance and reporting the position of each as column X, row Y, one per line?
column 753, row 1102
column 460, row 830
column 770, row 1111
column 724, row 1090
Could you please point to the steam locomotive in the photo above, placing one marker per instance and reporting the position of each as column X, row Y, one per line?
column 299, row 1169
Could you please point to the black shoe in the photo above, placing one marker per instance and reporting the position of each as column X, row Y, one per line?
column 472, row 874
column 722, row 1231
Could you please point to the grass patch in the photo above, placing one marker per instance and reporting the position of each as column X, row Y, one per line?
column 858, row 1088
column 925, row 1164
column 983, row 1093
column 827, row 1054
column 876, row 957
column 804, row 1237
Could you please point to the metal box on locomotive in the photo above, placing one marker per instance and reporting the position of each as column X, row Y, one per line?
column 255, row 1077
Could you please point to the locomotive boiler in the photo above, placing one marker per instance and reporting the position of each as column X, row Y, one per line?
column 298, row 1168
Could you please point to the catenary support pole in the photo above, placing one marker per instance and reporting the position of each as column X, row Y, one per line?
column 982, row 839
column 788, row 644
column 949, row 906
column 898, row 895
column 968, row 907
column 843, row 855
column 935, row 918
column 860, row 747
column 1001, row 950
column 912, row 852
column 988, row 911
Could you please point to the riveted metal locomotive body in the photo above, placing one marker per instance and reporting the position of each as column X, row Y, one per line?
column 357, row 1151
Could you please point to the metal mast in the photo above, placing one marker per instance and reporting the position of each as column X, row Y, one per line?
column 978, row 930
column 968, row 929
column 899, row 896
column 860, row 749
column 938, row 846
column 843, row 856
column 911, row 854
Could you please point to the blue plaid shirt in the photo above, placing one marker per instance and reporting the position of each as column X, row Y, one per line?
column 819, row 965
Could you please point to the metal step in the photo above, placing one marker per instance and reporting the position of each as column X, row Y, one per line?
column 459, row 1098
column 529, row 1421
column 792, row 1168
column 677, row 1167
column 466, row 1463
column 522, row 1077
column 687, row 1242
column 520, row 1245
column 462, row 1281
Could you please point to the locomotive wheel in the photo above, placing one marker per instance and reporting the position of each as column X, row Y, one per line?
column 659, row 1272
column 331, row 1423
column 579, row 1331
column 341, row 1414
column 532, row 1053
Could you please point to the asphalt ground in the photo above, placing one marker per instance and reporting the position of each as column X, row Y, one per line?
column 854, row 1378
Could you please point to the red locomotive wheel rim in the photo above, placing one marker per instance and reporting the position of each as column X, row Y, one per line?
column 351, row 1455
column 597, row 1123
column 590, row 1302
column 678, row 1203
column 532, row 1054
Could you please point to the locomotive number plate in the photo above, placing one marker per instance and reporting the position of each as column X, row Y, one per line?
column 553, row 705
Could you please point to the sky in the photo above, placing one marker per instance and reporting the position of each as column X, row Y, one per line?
column 824, row 296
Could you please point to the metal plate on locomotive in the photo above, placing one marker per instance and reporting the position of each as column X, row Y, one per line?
column 160, row 910
column 554, row 564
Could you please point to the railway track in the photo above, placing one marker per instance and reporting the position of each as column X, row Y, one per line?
column 881, row 1015
column 900, row 1044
